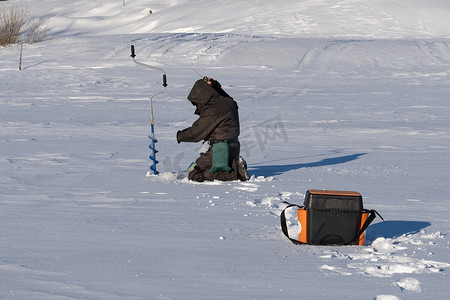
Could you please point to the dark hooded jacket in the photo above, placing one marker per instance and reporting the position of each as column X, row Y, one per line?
column 218, row 115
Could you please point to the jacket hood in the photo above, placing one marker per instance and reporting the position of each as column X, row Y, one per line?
column 201, row 93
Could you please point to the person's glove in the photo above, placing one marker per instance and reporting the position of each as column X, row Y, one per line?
column 218, row 87
column 215, row 84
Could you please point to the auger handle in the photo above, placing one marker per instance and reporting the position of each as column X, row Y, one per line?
column 133, row 55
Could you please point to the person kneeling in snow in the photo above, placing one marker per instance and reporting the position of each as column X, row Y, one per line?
column 218, row 127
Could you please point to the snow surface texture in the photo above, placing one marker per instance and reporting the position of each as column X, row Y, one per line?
column 348, row 95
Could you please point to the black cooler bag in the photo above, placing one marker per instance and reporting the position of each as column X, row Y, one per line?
column 331, row 218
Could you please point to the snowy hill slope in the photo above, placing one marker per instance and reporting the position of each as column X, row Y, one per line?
column 350, row 95
column 349, row 18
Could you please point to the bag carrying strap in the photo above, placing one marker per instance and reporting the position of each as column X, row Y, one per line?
column 284, row 224
column 370, row 218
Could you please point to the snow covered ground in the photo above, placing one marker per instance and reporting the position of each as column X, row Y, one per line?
column 348, row 95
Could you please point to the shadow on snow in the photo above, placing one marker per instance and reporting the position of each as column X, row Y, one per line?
column 273, row 170
column 393, row 229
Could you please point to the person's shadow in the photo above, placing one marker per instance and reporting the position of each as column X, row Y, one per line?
column 273, row 170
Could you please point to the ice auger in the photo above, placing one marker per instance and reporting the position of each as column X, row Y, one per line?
column 151, row 136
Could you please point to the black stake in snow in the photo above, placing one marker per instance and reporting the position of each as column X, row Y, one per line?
column 20, row 60
column 152, row 121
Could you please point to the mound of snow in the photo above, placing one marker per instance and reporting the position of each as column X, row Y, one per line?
column 308, row 18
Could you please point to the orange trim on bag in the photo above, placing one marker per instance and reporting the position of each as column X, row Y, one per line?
column 303, row 227
column 338, row 193
column 362, row 237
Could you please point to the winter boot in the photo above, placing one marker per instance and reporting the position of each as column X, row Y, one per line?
column 242, row 169
column 196, row 175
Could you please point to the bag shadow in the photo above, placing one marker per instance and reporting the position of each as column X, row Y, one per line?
column 393, row 229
